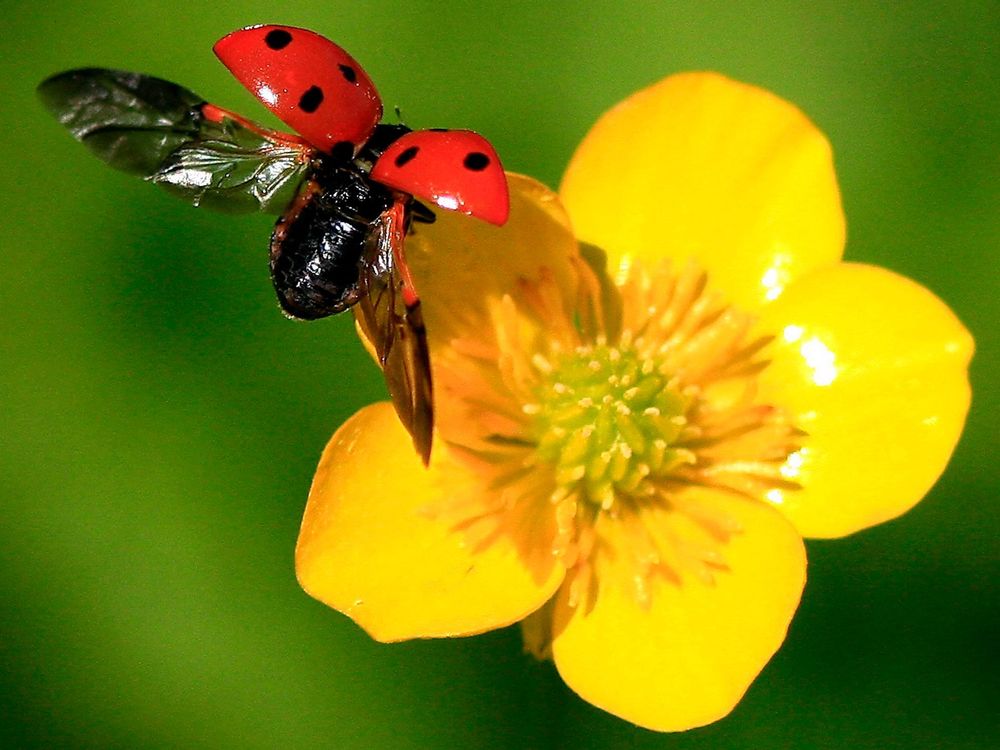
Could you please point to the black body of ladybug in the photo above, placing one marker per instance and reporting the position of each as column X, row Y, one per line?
column 346, row 189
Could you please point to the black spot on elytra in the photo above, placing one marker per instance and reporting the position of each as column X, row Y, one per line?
column 310, row 101
column 278, row 39
column 407, row 156
column 349, row 73
column 476, row 161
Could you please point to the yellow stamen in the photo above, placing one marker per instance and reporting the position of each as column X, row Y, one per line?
column 621, row 425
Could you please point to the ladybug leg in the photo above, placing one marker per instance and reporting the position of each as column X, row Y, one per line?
column 410, row 297
column 398, row 219
column 216, row 114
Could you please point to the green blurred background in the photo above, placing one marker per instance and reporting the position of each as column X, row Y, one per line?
column 161, row 420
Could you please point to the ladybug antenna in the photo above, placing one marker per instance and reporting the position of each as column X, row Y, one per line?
column 399, row 114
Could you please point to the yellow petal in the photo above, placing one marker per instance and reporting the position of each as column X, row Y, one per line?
column 369, row 548
column 686, row 659
column 462, row 267
column 874, row 368
column 701, row 166
column 459, row 263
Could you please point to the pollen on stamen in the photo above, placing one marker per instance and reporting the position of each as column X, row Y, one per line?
column 686, row 456
column 560, row 493
column 617, row 428
column 607, row 498
column 541, row 363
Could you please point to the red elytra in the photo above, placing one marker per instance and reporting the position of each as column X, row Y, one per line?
column 456, row 169
column 309, row 82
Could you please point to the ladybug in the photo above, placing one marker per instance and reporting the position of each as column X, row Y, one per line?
column 348, row 188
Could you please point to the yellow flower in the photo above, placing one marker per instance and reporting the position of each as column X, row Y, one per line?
column 627, row 462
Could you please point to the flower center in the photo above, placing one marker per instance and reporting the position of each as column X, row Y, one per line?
column 602, row 433
column 608, row 418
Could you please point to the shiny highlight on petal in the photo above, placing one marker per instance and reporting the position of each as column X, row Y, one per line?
column 873, row 367
column 699, row 166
